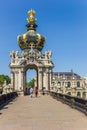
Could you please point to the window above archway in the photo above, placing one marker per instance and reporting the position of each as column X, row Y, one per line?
column 78, row 84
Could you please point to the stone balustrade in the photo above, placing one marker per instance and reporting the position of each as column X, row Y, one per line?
column 6, row 98
column 73, row 102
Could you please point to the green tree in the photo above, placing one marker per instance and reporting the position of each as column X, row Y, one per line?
column 1, row 80
column 4, row 78
column 7, row 78
column 31, row 83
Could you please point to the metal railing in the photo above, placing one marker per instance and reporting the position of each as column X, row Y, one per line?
column 73, row 102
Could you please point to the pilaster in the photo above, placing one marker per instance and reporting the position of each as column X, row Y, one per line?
column 40, row 78
column 12, row 80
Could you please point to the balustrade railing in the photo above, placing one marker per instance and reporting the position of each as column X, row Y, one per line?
column 5, row 98
column 74, row 102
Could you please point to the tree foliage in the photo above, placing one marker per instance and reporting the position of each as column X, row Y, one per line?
column 4, row 78
column 31, row 83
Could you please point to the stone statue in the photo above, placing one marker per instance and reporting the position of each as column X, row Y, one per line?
column 12, row 55
column 48, row 54
column 16, row 54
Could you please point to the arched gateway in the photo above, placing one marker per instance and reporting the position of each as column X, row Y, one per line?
column 31, row 57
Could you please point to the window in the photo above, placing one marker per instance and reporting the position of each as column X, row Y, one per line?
column 69, row 93
column 68, row 84
column 84, row 95
column 78, row 94
column 62, row 83
column 59, row 83
column 78, row 84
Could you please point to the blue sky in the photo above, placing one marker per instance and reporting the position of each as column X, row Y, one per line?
column 63, row 22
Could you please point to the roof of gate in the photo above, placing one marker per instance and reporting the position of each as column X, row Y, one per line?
column 31, row 37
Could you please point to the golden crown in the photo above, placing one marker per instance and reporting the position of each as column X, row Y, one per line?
column 31, row 14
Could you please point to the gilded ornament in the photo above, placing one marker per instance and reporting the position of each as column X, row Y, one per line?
column 31, row 18
column 39, row 38
column 25, row 41
column 31, row 36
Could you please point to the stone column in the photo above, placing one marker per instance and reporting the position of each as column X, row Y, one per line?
column 40, row 79
column 19, row 80
column 35, row 81
column 12, row 80
column 16, row 81
column 46, row 79
column 73, row 88
column 22, row 80
column 49, row 79
column 43, row 79
column 63, row 90
column 45, row 85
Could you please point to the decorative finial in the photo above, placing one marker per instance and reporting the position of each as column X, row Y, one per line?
column 31, row 14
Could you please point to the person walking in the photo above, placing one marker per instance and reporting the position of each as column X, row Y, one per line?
column 36, row 91
column 31, row 92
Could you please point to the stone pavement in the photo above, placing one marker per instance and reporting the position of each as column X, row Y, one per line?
column 42, row 113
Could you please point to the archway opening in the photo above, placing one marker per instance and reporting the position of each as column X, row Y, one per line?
column 78, row 94
column 31, row 79
column 84, row 95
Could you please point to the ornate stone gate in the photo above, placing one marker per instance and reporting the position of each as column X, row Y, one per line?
column 31, row 57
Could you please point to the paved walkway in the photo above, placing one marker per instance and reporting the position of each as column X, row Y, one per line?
column 42, row 113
